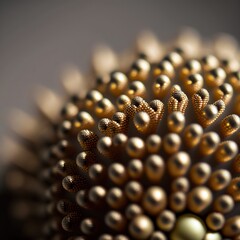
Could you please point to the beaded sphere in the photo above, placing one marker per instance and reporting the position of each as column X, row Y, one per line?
column 145, row 146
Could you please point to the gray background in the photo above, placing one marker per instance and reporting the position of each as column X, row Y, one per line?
column 38, row 38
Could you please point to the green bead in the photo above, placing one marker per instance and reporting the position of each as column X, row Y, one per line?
column 188, row 227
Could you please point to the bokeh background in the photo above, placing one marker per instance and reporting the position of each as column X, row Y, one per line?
column 39, row 38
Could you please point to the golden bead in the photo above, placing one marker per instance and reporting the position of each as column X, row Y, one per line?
column 191, row 67
column 199, row 199
column 140, row 70
column 161, row 85
column 164, row 68
column 157, row 235
column 132, row 211
column 209, row 143
column 209, row 62
column 134, row 191
column 224, row 204
column 230, row 125
column 180, row 184
column 223, row 92
column 104, row 146
column 117, row 173
column 184, row 231
column 192, row 135
column 226, row 151
column 96, row 172
column 178, row 164
column 118, row 83
column 177, row 201
column 121, row 237
column 166, row 220
column 115, row 220
column 104, row 108
column 215, row 77
column 153, row 143
column 236, row 164
column 215, row 221
column 135, row 168
column 88, row 226
column 234, row 189
column 212, row 236
column 193, row 83
column 141, row 227
column 219, row 179
column 136, row 88
column 232, row 227
column 199, row 173
column 92, row 98
column 234, row 80
column 154, row 167
column 135, row 147
column 141, row 121
column 176, row 122
column 115, row 198
column 175, row 58
column 122, row 102
column 154, row 200
column 105, row 237
column 97, row 194
column 171, row 143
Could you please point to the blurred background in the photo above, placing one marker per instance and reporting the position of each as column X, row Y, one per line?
column 39, row 38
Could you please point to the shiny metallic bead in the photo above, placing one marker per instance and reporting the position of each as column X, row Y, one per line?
column 234, row 80
column 226, row 151
column 180, row 184
column 97, row 194
column 164, row 68
column 157, row 235
column 236, row 164
column 176, row 122
column 199, row 173
column 178, row 164
column 209, row 62
column 175, row 58
column 118, row 83
column 232, row 227
column 224, row 204
column 230, row 124
column 212, row 236
column 134, row 191
column 223, row 92
column 199, row 199
column 142, row 121
column 193, row 83
column 122, row 102
column 183, row 231
column 154, row 167
column 135, row 168
column 92, row 98
column 96, row 172
column 209, row 143
column 166, row 220
column 219, row 179
column 136, row 88
column 133, row 210
column 215, row 77
column 141, row 227
column 153, row 143
column 154, row 200
column 115, row 220
column 115, row 198
column 177, row 201
column 171, row 143
column 161, row 85
column 191, row 67
column 140, row 70
column 234, row 189
column 192, row 135
column 88, row 226
column 117, row 173
column 135, row 147
column 215, row 221
column 105, row 237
